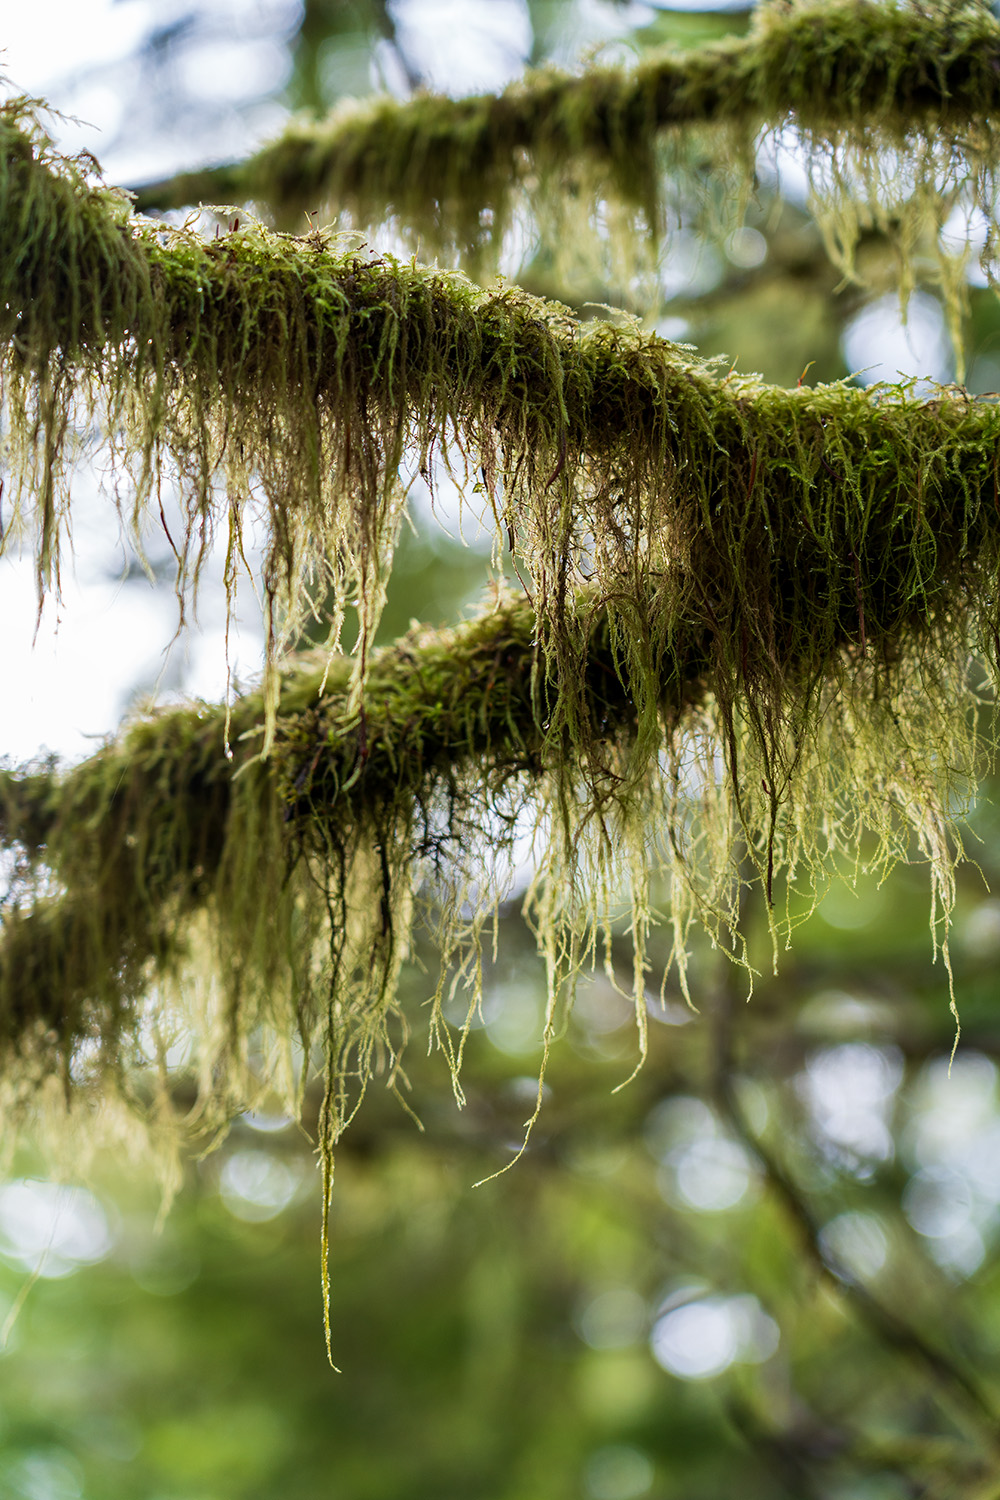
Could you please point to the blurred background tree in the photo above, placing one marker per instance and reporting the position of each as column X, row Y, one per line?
column 766, row 1267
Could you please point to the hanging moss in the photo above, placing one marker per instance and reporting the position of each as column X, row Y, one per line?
column 892, row 102
column 745, row 642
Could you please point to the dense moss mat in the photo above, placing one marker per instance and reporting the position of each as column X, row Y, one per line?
column 892, row 103
column 744, row 646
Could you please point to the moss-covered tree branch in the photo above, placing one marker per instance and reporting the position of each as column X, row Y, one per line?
column 450, row 170
column 262, row 374
column 159, row 864
column 148, row 828
column 285, row 886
